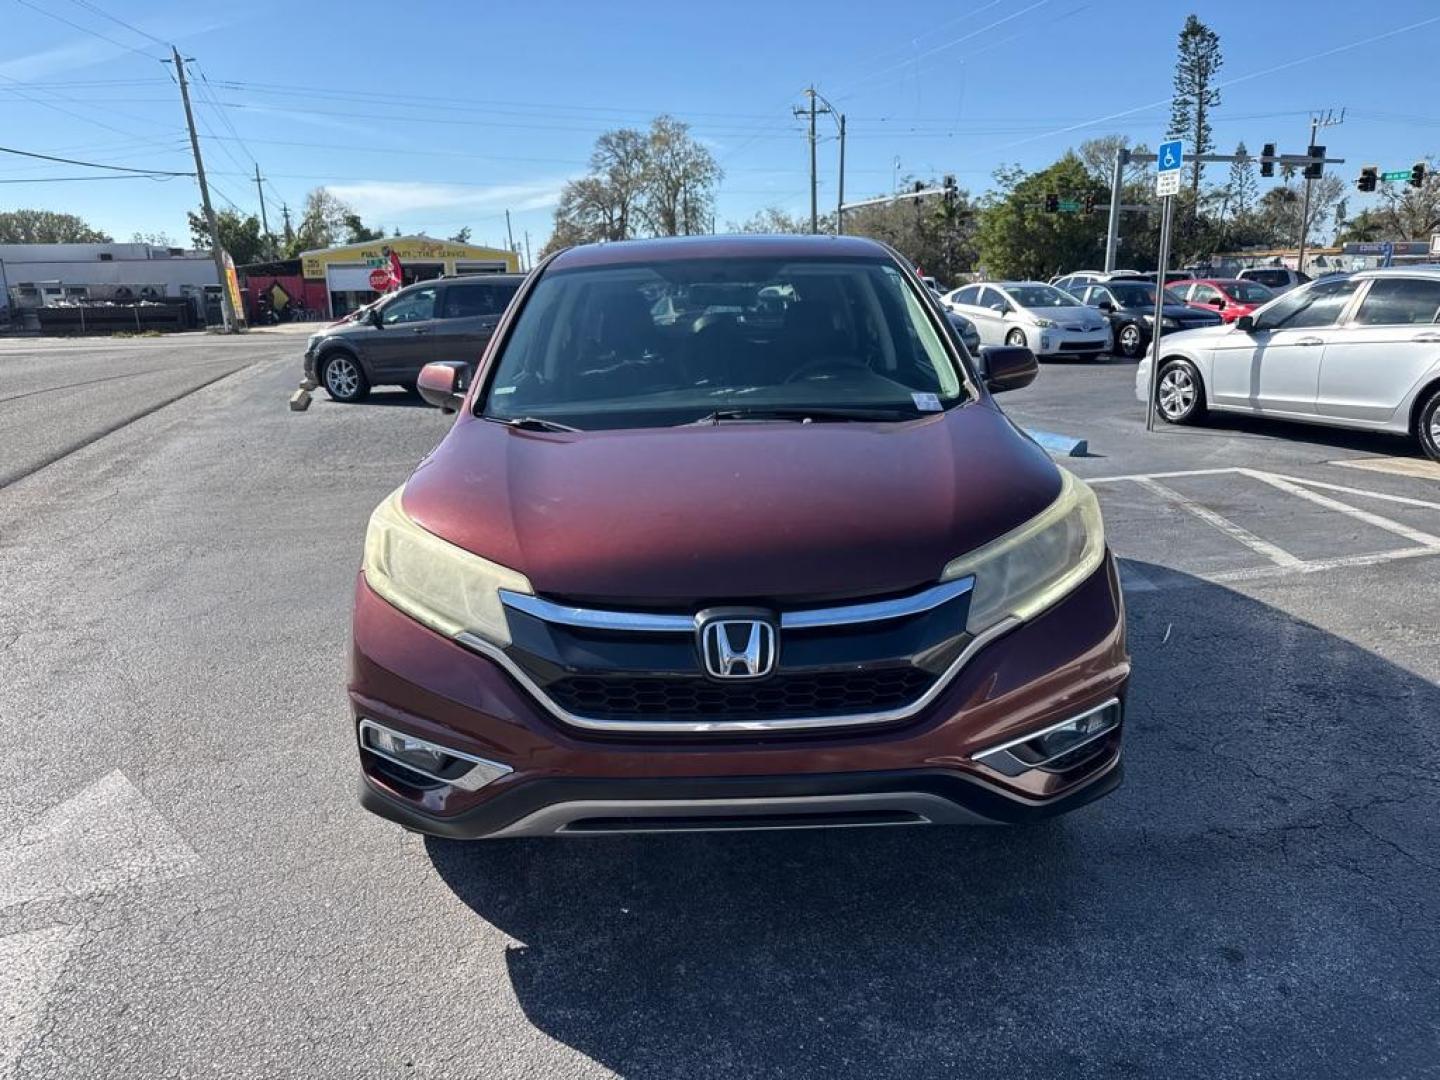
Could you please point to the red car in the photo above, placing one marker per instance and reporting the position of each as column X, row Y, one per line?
column 777, row 562
column 1231, row 297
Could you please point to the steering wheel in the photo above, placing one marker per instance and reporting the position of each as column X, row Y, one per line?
column 826, row 366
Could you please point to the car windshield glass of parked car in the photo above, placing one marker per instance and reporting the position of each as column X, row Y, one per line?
column 667, row 343
column 1041, row 296
column 1318, row 305
column 1249, row 292
column 1136, row 294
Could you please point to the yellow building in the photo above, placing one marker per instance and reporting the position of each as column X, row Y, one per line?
column 346, row 270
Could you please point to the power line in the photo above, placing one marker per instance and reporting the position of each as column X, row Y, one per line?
column 121, row 22
column 75, row 115
column 86, row 30
column 93, row 164
column 58, row 179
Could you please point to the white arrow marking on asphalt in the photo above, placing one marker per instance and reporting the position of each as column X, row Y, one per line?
column 104, row 837
column 30, row 963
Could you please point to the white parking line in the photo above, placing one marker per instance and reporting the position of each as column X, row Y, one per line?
column 1279, row 556
column 1280, row 562
column 1415, row 536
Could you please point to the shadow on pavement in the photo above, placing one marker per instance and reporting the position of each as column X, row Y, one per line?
column 1258, row 899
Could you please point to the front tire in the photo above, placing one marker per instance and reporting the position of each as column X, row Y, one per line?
column 1130, row 341
column 344, row 379
column 1427, row 426
column 1015, row 338
column 1179, row 393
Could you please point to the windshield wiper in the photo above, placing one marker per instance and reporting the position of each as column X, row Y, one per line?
column 803, row 415
column 531, row 423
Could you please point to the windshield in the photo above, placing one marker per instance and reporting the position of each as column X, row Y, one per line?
column 1040, row 296
column 1248, row 292
column 673, row 342
column 1139, row 294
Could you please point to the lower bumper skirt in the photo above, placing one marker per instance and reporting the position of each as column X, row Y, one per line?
column 582, row 807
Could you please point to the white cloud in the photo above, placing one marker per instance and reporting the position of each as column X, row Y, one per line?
column 386, row 200
column 89, row 51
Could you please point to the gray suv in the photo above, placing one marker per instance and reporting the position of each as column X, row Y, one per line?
column 392, row 339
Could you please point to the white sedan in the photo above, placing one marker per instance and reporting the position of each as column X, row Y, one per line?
column 1361, row 351
column 1047, row 320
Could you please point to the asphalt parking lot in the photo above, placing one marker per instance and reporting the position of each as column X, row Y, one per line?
column 188, row 887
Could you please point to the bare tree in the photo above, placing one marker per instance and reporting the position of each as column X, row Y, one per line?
column 621, row 159
column 680, row 179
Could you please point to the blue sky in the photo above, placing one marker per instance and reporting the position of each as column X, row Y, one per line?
column 429, row 116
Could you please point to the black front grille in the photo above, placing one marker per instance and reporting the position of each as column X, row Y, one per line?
column 830, row 693
column 1080, row 346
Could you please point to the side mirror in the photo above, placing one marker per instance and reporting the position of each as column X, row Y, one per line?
column 1008, row 367
column 1245, row 324
column 373, row 318
column 1218, row 302
column 443, row 384
column 1105, row 305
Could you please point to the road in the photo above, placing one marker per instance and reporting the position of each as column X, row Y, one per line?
column 188, row 888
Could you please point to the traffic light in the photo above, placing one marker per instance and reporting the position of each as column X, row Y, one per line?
column 1089, row 204
column 951, row 193
column 1267, row 165
column 1369, row 177
column 1316, row 168
column 1052, row 203
column 1417, row 174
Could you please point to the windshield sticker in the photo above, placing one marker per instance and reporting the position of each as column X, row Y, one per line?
column 926, row 402
column 504, row 390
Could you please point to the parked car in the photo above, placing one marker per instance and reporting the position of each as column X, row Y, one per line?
column 1231, row 297
column 966, row 329
column 931, row 284
column 1129, row 304
column 445, row 319
column 1171, row 276
column 714, row 576
column 1040, row 317
column 1359, row 352
column 1277, row 279
column 1075, row 282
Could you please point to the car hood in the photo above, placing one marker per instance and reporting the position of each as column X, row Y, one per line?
column 759, row 512
column 1062, row 315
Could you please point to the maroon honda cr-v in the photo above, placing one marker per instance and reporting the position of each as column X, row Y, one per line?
column 730, row 533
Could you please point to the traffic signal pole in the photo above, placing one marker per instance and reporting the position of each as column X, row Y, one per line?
column 1112, row 232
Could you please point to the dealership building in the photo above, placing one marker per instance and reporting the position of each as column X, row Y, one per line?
column 344, row 273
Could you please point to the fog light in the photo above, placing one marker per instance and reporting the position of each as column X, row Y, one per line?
column 431, row 760
column 1056, row 747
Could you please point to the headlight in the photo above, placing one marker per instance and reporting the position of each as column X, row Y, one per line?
column 445, row 587
column 1028, row 569
column 1168, row 323
column 1045, row 324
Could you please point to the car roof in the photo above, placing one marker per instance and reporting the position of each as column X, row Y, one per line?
column 484, row 279
column 680, row 248
column 1425, row 270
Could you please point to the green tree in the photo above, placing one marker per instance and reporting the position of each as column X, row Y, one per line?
column 47, row 227
column 771, row 219
column 356, row 231
column 1018, row 239
column 462, row 237
column 327, row 221
column 1196, row 94
column 1242, row 189
column 240, row 236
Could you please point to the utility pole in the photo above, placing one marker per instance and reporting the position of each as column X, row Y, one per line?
column 264, row 221
column 529, row 262
column 812, row 112
column 1112, row 234
column 509, row 235
column 285, row 213
column 840, row 199
column 1316, row 123
column 226, row 309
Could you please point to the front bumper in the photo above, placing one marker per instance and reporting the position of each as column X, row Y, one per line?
column 566, row 781
column 1057, row 341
